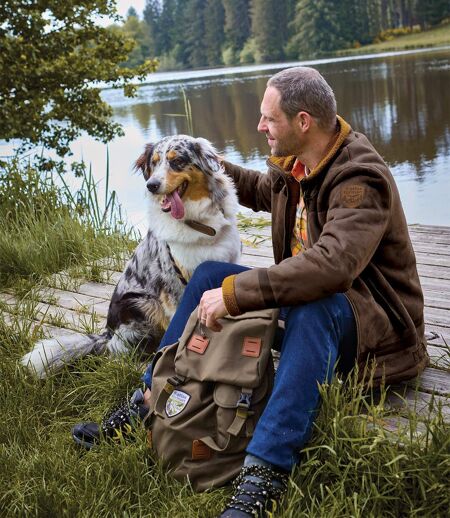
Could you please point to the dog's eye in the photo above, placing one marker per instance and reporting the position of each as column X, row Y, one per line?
column 177, row 164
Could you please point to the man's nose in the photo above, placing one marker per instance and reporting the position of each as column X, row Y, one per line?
column 262, row 126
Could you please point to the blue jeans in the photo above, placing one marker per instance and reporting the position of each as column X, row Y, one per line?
column 316, row 335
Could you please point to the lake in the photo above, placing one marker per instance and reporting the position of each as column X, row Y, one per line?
column 400, row 101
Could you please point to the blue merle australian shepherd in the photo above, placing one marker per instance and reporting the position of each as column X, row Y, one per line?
column 192, row 215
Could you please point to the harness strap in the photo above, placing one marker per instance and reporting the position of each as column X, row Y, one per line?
column 176, row 268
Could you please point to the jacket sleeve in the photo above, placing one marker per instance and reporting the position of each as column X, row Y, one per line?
column 254, row 188
column 357, row 217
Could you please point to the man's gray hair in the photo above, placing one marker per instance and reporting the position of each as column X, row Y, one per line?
column 304, row 89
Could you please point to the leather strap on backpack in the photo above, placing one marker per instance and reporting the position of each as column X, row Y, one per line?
column 171, row 384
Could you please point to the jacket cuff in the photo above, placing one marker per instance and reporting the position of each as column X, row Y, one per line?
column 229, row 297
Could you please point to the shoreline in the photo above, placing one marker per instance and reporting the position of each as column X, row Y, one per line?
column 175, row 76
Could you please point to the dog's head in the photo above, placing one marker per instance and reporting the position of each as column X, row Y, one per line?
column 181, row 168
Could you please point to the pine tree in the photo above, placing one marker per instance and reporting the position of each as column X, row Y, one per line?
column 144, row 44
column 269, row 28
column 316, row 29
column 152, row 15
column 237, row 23
column 214, row 31
column 195, row 46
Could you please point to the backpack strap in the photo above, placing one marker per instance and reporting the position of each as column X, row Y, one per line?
column 171, row 384
column 242, row 412
column 235, row 428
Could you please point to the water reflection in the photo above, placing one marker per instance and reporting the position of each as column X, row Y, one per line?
column 400, row 102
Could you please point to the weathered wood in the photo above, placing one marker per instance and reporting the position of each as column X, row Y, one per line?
column 433, row 260
column 439, row 357
column 86, row 321
column 75, row 301
column 433, row 381
column 404, row 398
column 72, row 303
column 96, row 289
column 436, row 272
column 437, row 316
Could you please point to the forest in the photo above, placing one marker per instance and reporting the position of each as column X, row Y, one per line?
column 207, row 33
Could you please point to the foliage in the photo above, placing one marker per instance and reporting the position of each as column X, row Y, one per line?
column 214, row 33
column 250, row 53
column 229, row 32
column 138, row 31
column 314, row 19
column 268, row 28
column 54, row 56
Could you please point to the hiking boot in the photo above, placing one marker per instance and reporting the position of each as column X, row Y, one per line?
column 257, row 489
column 121, row 420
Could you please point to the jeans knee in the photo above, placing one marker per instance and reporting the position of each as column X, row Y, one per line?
column 205, row 273
column 318, row 311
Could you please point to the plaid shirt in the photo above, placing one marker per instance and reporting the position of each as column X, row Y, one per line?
column 300, row 235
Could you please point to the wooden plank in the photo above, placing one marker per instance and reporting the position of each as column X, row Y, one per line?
column 435, row 284
column 437, row 316
column 436, row 272
column 440, row 239
column 435, row 298
column 433, row 260
column 439, row 357
column 60, row 317
column 403, row 398
column 37, row 328
column 444, row 229
column 433, row 381
column 75, row 301
column 437, row 335
column 97, row 289
column 431, row 248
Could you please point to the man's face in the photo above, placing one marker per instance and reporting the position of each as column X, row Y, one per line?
column 283, row 135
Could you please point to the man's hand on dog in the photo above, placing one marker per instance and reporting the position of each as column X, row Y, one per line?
column 211, row 308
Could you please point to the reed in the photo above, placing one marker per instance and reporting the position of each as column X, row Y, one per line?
column 46, row 226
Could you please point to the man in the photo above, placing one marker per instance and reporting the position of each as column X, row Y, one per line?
column 345, row 273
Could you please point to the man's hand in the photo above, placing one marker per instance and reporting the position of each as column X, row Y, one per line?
column 211, row 308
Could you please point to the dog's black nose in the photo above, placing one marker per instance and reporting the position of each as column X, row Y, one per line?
column 153, row 186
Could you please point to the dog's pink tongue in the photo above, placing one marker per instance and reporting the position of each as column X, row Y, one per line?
column 176, row 205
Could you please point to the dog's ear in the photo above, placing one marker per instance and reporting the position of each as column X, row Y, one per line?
column 143, row 162
column 209, row 160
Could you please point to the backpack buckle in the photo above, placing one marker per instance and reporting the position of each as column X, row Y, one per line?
column 172, row 383
column 243, row 404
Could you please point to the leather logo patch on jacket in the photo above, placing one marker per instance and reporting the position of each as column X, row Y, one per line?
column 352, row 195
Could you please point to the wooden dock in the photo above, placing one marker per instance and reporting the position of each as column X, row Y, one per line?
column 77, row 305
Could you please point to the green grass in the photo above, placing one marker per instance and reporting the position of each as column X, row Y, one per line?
column 349, row 469
column 436, row 37
column 46, row 228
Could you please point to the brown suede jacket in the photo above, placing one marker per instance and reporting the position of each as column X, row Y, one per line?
column 358, row 244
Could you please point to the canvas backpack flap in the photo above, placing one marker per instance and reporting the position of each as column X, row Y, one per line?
column 236, row 355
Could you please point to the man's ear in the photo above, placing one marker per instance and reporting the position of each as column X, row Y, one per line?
column 143, row 162
column 304, row 120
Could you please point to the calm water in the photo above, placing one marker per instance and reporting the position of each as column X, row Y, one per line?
column 401, row 102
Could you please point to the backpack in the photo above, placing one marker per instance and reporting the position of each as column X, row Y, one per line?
column 208, row 391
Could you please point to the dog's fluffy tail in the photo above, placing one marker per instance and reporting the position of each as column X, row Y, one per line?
column 52, row 354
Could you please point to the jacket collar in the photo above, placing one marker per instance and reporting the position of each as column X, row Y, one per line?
column 286, row 162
